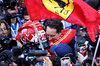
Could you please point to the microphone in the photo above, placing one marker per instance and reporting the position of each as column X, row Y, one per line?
column 5, row 55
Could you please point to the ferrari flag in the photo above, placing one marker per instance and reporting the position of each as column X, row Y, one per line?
column 73, row 11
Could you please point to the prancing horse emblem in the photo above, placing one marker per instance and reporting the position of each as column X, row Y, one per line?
column 61, row 7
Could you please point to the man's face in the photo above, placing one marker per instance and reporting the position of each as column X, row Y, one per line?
column 51, row 34
column 26, row 18
column 21, row 3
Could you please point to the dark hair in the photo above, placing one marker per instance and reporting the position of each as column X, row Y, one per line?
column 24, row 12
column 6, row 24
column 55, row 61
column 93, row 3
column 54, row 23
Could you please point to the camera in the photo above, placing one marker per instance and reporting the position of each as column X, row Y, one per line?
column 32, row 45
column 65, row 61
column 7, row 43
column 30, row 51
column 4, row 3
column 37, row 53
column 29, row 56
column 8, row 4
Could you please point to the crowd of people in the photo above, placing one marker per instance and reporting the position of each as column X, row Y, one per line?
column 65, row 46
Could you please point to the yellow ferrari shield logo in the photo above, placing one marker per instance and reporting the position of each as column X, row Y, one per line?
column 61, row 7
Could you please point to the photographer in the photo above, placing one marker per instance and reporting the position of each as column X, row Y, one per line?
column 21, row 3
column 25, row 15
column 5, row 31
column 15, row 23
column 12, row 17
column 6, row 57
column 91, row 48
column 64, row 52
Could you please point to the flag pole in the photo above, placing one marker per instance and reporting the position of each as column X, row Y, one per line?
column 96, row 50
column 38, row 36
column 78, row 36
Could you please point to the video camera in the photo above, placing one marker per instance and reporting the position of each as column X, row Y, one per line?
column 8, row 4
column 32, row 45
column 7, row 57
column 7, row 43
column 28, row 57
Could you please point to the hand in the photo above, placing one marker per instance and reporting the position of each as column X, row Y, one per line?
column 81, row 58
column 47, row 61
column 19, row 44
column 13, row 12
column 97, row 64
column 13, row 64
column 40, row 59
